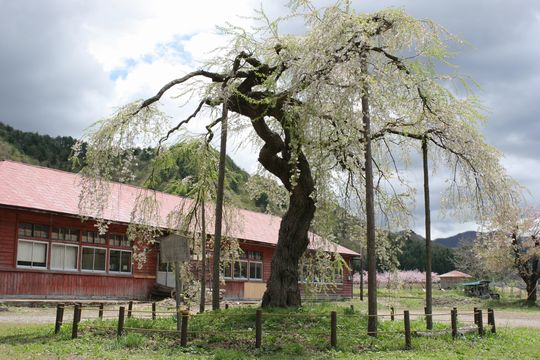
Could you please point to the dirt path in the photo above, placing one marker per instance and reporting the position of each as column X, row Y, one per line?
column 30, row 315
column 513, row 319
column 42, row 315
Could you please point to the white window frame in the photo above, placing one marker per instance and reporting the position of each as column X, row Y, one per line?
column 76, row 258
column 249, row 270
column 131, row 260
column 32, row 266
column 94, row 259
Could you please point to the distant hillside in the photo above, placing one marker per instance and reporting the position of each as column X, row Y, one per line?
column 413, row 255
column 37, row 149
column 454, row 241
column 34, row 148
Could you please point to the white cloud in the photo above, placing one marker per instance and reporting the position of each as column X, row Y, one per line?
column 146, row 24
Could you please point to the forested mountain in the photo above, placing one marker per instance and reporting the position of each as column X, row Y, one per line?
column 34, row 148
column 413, row 255
column 456, row 240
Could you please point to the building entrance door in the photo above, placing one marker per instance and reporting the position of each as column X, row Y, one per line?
column 165, row 273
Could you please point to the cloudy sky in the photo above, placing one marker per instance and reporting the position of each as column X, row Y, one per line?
column 65, row 64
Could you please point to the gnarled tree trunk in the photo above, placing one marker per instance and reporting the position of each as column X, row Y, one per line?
column 282, row 286
column 532, row 287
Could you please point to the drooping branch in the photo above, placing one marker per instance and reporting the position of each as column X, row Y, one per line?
column 215, row 77
column 180, row 124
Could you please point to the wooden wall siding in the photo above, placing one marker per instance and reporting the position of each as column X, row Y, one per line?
column 61, row 285
column 73, row 284
column 149, row 267
column 234, row 289
column 7, row 234
column 45, row 283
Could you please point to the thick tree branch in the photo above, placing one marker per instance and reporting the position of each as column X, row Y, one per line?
column 213, row 76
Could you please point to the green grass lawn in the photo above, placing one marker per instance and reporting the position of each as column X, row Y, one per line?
column 414, row 299
column 229, row 334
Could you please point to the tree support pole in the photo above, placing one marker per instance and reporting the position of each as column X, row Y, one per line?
column 219, row 206
column 178, row 285
column 429, row 300
column 202, row 305
column 370, row 208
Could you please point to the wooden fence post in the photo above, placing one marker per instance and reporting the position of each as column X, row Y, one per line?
column 75, row 327
column 120, row 330
column 333, row 329
column 453, row 318
column 491, row 320
column 429, row 319
column 480, row 323
column 59, row 318
column 407, row 321
column 183, row 333
column 392, row 312
column 130, row 308
column 258, row 328
column 475, row 316
column 79, row 313
column 153, row 311
column 226, row 306
column 100, row 312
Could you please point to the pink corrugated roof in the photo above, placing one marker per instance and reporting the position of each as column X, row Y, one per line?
column 455, row 274
column 36, row 187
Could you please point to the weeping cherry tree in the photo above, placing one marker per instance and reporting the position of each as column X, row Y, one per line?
column 331, row 108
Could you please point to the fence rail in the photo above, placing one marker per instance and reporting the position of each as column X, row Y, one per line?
column 183, row 332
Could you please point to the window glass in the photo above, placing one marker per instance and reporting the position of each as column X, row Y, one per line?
column 87, row 258
column 24, row 253
column 39, row 254
column 120, row 261
column 99, row 260
column 25, row 230
column 57, row 257
column 119, row 240
column 64, row 257
column 227, row 273
column 92, row 237
column 165, row 267
column 41, row 231
column 93, row 259
column 240, row 270
column 255, row 270
column 31, row 253
column 70, row 257
column 56, row 234
column 255, row 255
column 67, row 234
column 126, row 262
column 114, row 260
column 73, row 235
column 33, row 230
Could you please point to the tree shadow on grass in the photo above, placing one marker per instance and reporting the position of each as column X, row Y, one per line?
column 28, row 339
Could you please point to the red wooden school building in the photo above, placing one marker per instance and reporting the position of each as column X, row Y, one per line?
column 47, row 251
